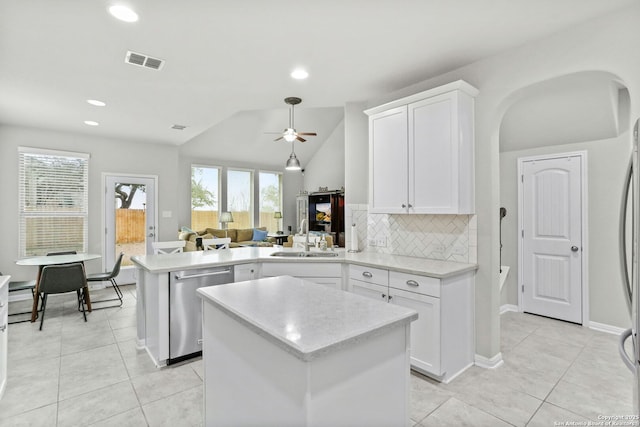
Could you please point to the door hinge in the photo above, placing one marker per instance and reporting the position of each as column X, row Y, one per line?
column 522, row 288
column 521, row 178
column 522, row 233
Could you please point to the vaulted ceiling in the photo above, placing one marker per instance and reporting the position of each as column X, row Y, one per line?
column 227, row 63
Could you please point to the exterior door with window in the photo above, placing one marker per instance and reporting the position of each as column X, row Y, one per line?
column 551, row 251
column 130, row 220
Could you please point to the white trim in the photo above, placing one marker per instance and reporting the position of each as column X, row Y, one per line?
column 509, row 307
column 489, row 363
column 61, row 153
column 609, row 329
column 103, row 219
column 460, row 85
column 585, row 222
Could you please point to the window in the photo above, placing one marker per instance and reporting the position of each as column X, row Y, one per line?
column 53, row 201
column 270, row 200
column 205, row 197
column 239, row 197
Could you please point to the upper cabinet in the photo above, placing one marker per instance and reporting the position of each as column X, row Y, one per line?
column 421, row 152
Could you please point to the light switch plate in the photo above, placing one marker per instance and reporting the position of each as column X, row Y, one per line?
column 166, row 214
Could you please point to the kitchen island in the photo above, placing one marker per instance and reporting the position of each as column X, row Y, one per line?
column 288, row 352
column 450, row 283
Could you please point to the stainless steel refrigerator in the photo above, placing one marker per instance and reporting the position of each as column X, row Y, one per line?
column 629, row 226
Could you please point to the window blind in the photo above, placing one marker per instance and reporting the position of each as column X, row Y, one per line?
column 53, row 201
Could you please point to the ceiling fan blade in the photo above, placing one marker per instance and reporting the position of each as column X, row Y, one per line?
column 278, row 139
column 301, row 139
column 274, row 133
column 308, row 133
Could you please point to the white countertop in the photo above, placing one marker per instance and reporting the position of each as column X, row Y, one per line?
column 305, row 319
column 200, row 259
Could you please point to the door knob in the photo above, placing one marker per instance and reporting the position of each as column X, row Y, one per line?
column 150, row 235
column 574, row 248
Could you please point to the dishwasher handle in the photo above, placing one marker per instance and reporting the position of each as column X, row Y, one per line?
column 193, row 276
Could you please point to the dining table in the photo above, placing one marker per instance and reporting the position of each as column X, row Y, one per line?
column 44, row 260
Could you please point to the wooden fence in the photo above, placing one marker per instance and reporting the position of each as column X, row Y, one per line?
column 209, row 219
column 130, row 225
column 131, row 228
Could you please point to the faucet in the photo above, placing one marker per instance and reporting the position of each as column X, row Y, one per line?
column 305, row 221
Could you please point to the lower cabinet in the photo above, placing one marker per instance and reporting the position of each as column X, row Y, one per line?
column 243, row 272
column 4, row 311
column 442, row 338
column 328, row 274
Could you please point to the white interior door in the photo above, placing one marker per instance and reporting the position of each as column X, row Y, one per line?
column 552, row 249
column 130, row 220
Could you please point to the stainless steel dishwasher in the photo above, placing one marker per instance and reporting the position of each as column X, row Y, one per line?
column 185, row 309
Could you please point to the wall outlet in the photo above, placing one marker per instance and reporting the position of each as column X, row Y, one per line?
column 438, row 247
column 382, row 242
column 371, row 242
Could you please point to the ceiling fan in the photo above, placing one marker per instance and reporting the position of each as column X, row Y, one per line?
column 290, row 134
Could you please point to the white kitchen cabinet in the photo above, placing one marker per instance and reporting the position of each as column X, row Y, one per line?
column 4, row 331
column 442, row 339
column 421, row 152
column 329, row 274
column 242, row 272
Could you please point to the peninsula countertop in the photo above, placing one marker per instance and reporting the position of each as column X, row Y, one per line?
column 303, row 318
column 200, row 259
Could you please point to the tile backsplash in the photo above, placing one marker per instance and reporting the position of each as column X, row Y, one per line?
column 445, row 237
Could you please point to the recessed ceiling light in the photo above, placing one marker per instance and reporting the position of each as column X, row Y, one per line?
column 123, row 13
column 96, row 103
column 91, row 123
column 299, row 74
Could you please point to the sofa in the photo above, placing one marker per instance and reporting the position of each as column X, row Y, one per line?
column 239, row 237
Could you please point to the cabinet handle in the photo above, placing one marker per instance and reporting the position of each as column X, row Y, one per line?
column 410, row 205
column 367, row 274
column 199, row 341
column 412, row 283
column 390, row 297
column 404, row 206
column 384, row 296
column 3, row 328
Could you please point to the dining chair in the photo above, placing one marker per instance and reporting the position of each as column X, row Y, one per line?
column 21, row 285
column 111, row 277
column 60, row 279
column 171, row 247
column 216, row 244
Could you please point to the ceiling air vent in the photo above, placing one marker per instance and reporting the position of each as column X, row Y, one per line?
column 143, row 60
column 178, row 127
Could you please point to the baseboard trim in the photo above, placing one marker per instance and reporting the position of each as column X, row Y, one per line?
column 606, row 328
column 508, row 307
column 489, row 363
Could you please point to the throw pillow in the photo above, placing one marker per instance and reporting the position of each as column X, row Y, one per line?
column 259, row 235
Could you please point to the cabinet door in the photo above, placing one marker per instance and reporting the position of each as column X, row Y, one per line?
column 425, row 331
column 369, row 290
column 433, row 155
column 388, row 161
column 4, row 332
column 244, row 272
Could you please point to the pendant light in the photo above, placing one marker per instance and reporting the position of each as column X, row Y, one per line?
column 293, row 164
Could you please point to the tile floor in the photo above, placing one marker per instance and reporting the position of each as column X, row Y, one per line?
column 79, row 374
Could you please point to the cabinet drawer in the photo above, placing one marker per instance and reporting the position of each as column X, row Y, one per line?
column 369, row 274
column 413, row 283
column 302, row 269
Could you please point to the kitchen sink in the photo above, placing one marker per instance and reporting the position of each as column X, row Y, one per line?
column 305, row 254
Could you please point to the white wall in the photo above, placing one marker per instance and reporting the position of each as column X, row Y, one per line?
column 606, row 43
column 107, row 155
column 326, row 168
column 607, row 162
